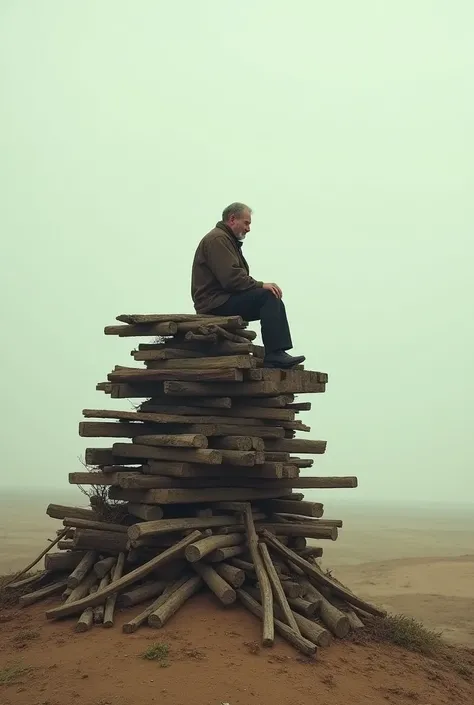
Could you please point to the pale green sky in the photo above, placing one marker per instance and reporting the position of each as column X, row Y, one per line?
column 126, row 127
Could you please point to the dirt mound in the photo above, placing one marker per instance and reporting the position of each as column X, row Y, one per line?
column 209, row 656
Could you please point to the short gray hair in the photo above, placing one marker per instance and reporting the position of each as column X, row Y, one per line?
column 234, row 209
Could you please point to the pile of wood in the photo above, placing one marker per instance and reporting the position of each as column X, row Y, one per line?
column 200, row 489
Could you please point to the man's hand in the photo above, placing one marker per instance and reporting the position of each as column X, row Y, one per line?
column 274, row 288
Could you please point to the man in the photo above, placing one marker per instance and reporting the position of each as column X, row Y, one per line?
column 221, row 285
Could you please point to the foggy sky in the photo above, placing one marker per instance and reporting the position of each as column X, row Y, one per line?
column 126, row 127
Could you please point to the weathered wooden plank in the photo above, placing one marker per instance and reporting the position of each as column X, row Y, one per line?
column 297, row 445
column 193, row 375
column 241, row 362
column 237, row 412
column 178, row 350
column 163, row 418
column 149, row 330
column 138, row 450
column 166, row 317
column 185, row 496
column 177, row 388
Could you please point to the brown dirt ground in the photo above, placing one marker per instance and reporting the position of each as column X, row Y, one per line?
column 214, row 659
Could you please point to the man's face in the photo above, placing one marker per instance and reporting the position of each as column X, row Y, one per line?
column 240, row 225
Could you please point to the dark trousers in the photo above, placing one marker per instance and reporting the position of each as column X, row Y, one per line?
column 261, row 305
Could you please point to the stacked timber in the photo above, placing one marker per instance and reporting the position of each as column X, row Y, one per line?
column 200, row 488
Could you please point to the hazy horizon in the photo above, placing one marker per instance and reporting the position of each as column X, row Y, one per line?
column 127, row 128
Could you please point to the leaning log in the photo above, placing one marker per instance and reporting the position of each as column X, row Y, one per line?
column 47, row 591
column 197, row 551
column 277, row 588
column 141, row 593
column 319, row 578
column 79, row 573
column 111, row 600
column 268, row 631
column 63, row 562
column 304, row 645
column 162, row 614
column 232, row 575
column 221, row 589
column 333, row 618
column 139, row 619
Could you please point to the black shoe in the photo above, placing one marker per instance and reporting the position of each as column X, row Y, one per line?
column 281, row 359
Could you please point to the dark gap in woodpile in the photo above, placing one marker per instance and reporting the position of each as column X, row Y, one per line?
column 199, row 489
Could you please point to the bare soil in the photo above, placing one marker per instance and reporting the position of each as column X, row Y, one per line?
column 208, row 655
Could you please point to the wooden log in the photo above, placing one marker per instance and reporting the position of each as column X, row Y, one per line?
column 66, row 545
column 61, row 511
column 111, row 599
column 187, row 350
column 147, row 512
column 221, row 589
column 307, row 530
column 103, row 541
column 240, row 362
column 192, row 402
column 42, row 593
column 36, row 579
column 304, row 607
column 163, row 526
column 309, row 629
column 231, row 574
column 301, row 643
column 333, row 618
column 78, row 592
column 297, row 445
column 86, row 620
column 226, row 322
column 310, row 509
column 62, row 562
column 183, row 496
column 278, row 402
column 203, row 338
column 98, row 611
column 104, row 566
column 224, row 471
column 242, row 443
column 140, row 376
column 184, row 389
column 148, row 330
column 182, row 440
column 97, row 525
column 134, row 624
column 141, row 593
column 302, row 519
column 301, row 462
column 277, row 588
column 236, row 414
column 196, row 551
column 143, row 448
column 159, row 317
column 311, row 552
column 292, row 589
column 162, row 614
column 315, row 574
column 224, row 554
column 81, row 570
column 163, row 559
column 220, row 332
column 263, row 579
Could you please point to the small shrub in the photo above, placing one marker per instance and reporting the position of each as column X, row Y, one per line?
column 157, row 652
column 11, row 674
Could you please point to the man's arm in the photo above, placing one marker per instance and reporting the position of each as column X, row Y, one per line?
column 226, row 268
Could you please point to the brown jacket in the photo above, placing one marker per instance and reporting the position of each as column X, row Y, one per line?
column 219, row 270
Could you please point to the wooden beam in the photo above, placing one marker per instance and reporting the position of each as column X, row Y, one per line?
column 257, row 389
column 139, row 376
column 190, row 496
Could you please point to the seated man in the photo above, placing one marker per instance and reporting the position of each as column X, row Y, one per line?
column 222, row 286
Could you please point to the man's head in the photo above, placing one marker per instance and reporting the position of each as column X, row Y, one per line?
column 238, row 217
